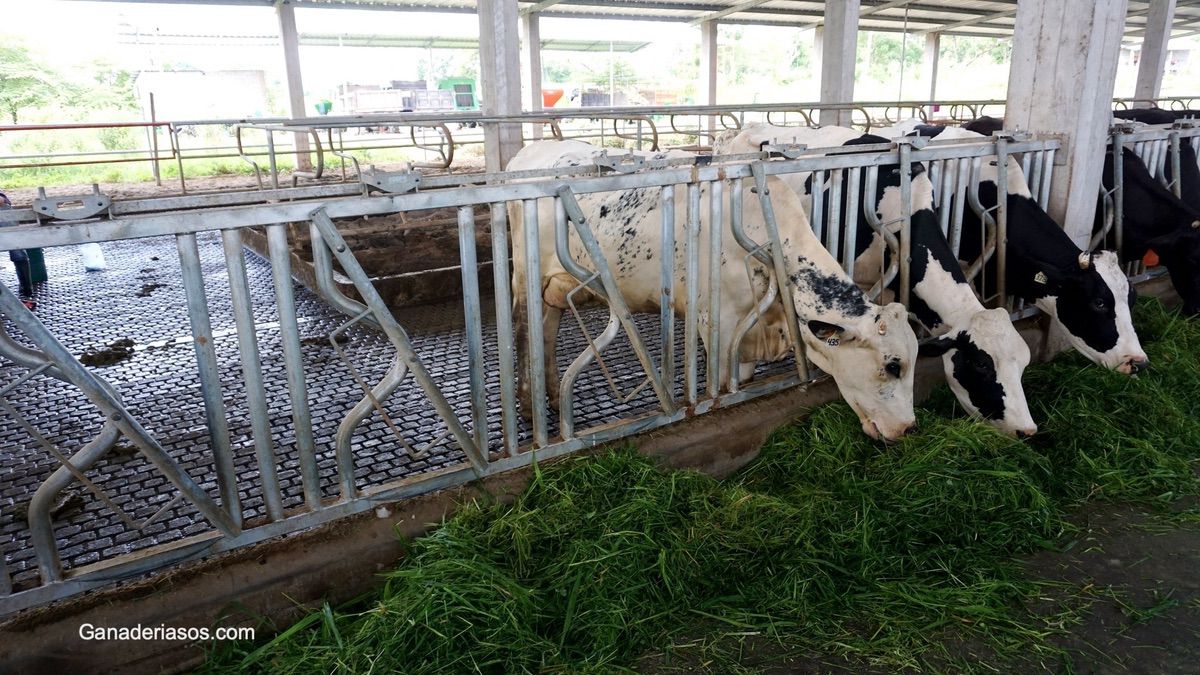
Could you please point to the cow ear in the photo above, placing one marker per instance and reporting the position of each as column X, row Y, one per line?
column 935, row 347
column 826, row 331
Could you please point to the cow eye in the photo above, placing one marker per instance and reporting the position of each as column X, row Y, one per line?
column 893, row 368
column 1099, row 304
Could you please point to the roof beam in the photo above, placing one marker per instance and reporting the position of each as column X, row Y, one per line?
column 977, row 20
column 891, row 4
column 535, row 8
column 713, row 16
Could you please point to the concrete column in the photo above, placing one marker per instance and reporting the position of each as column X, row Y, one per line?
column 500, row 79
column 295, row 85
column 818, row 46
column 1065, row 55
column 1154, row 49
column 531, row 64
column 839, row 49
column 929, row 64
column 706, row 93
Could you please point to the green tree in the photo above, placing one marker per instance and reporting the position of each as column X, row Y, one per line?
column 24, row 83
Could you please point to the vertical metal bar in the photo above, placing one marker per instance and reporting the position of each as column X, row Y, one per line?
column 289, row 331
column 256, row 395
column 906, row 219
column 713, row 347
column 504, row 327
column 835, row 212
column 692, row 303
column 945, row 195
column 154, row 165
column 1033, row 171
column 271, row 157
column 1001, row 220
column 817, row 221
column 533, row 312
column 473, row 317
column 1118, row 150
column 960, row 202
column 210, row 375
column 854, row 179
column 780, row 265
column 1176, row 180
column 667, row 292
column 1047, row 177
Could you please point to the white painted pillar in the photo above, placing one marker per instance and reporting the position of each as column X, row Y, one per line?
column 839, row 50
column 1154, row 49
column 531, row 64
column 295, row 84
column 706, row 92
column 500, row 79
column 929, row 63
column 818, row 46
column 1065, row 55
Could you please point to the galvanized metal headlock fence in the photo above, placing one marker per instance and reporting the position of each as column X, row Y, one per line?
column 1158, row 146
column 478, row 431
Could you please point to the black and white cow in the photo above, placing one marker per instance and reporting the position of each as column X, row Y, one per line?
column 868, row 350
column 982, row 354
column 1154, row 219
column 1189, row 171
column 1086, row 294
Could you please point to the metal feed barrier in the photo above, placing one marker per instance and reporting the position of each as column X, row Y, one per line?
column 1159, row 147
column 263, row 449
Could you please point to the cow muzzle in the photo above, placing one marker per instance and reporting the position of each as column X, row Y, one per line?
column 1133, row 365
column 871, row 429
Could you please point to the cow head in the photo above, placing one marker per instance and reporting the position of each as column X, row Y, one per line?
column 984, row 361
column 1179, row 252
column 871, row 357
column 1090, row 301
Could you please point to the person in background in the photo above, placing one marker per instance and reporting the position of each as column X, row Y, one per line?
column 20, row 260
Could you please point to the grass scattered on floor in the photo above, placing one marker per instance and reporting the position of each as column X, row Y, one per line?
column 828, row 544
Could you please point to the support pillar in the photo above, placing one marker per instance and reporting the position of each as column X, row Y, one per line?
column 1154, row 50
column 500, row 79
column 531, row 65
column 295, row 85
column 707, row 91
column 929, row 64
column 1064, row 65
column 839, row 49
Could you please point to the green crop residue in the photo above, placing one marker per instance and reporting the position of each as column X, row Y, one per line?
column 827, row 544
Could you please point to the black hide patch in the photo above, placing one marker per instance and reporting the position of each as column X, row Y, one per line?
column 975, row 371
column 833, row 293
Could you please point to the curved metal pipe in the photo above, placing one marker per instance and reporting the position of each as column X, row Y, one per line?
column 41, row 527
column 345, row 432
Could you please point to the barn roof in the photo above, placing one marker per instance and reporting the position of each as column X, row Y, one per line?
column 988, row 18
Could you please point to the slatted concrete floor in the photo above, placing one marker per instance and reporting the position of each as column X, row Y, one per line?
column 140, row 297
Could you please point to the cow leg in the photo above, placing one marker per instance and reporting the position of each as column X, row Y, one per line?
column 551, row 317
column 520, row 319
column 554, row 301
column 746, row 371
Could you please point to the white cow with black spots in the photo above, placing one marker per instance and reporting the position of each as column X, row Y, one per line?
column 869, row 350
column 983, row 355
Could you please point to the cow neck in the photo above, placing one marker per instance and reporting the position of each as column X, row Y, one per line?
column 823, row 291
column 1032, row 233
column 937, row 278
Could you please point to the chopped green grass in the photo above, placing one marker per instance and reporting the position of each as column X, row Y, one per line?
column 828, row 544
